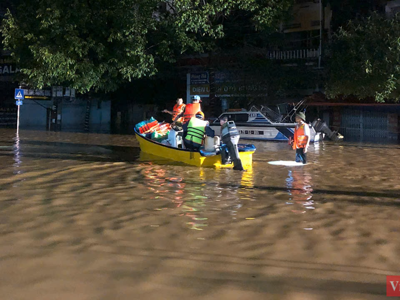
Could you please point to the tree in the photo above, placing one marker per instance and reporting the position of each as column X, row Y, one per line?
column 99, row 44
column 365, row 59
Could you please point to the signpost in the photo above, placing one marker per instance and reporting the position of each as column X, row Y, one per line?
column 19, row 96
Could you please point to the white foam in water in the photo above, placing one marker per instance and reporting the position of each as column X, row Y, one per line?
column 289, row 163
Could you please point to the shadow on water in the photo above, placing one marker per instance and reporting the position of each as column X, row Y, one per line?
column 69, row 151
column 389, row 194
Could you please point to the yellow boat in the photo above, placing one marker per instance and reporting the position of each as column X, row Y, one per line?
column 193, row 158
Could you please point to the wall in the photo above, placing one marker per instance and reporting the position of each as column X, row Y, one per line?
column 394, row 126
column 33, row 114
column 392, row 8
column 73, row 115
column 306, row 17
column 370, row 124
column 100, row 115
column 128, row 115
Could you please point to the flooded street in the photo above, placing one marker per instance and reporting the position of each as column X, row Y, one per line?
column 87, row 216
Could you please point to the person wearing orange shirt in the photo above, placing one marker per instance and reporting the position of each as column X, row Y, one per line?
column 179, row 107
column 301, row 139
column 191, row 110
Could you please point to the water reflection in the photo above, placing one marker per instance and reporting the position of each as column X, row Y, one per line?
column 197, row 193
column 299, row 184
column 248, row 178
column 17, row 154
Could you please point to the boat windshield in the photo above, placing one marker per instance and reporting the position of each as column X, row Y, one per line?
column 236, row 117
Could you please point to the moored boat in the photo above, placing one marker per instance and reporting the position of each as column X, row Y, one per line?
column 254, row 124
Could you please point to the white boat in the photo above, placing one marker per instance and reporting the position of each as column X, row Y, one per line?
column 255, row 125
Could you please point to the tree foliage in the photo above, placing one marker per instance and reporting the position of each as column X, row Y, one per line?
column 365, row 59
column 98, row 44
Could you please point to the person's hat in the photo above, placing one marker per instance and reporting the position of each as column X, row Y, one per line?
column 197, row 97
column 301, row 115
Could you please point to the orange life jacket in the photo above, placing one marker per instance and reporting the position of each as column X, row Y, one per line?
column 162, row 128
column 176, row 111
column 299, row 140
column 147, row 127
column 191, row 110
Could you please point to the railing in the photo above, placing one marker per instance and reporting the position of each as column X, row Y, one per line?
column 293, row 54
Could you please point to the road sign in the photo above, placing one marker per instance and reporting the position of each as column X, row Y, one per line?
column 19, row 94
column 19, row 102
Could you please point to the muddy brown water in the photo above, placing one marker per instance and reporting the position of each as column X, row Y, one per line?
column 87, row 216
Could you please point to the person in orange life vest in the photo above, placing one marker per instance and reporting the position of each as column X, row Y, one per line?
column 301, row 139
column 178, row 108
column 191, row 110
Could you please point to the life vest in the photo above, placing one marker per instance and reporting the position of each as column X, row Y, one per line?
column 229, row 129
column 191, row 110
column 300, row 139
column 196, row 130
column 176, row 111
column 161, row 128
column 147, row 127
column 160, row 131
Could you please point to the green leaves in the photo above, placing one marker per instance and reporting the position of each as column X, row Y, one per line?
column 365, row 59
column 99, row 44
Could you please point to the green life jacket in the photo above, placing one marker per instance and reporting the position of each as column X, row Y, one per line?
column 196, row 130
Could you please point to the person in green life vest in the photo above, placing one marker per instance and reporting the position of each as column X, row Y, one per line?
column 194, row 132
column 230, row 138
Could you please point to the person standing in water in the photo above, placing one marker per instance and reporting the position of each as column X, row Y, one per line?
column 230, row 137
column 301, row 139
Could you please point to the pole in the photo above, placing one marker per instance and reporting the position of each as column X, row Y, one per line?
column 320, row 34
column 188, row 99
column 18, row 117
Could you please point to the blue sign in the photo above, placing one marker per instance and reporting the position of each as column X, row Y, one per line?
column 19, row 102
column 199, row 78
column 19, row 94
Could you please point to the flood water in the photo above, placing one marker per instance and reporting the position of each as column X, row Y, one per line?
column 86, row 216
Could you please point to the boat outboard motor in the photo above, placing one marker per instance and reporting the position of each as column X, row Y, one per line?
column 320, row 126
column 229, row 151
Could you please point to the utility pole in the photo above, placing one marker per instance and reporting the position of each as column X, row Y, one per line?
column 320, row 44
column 320, row 34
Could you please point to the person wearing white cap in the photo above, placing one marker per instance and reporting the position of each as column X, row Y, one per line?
column 191, row 110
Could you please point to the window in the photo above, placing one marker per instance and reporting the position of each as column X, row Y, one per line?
column 241, row 117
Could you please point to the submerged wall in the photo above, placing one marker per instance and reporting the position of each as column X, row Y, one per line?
column 35, row 114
